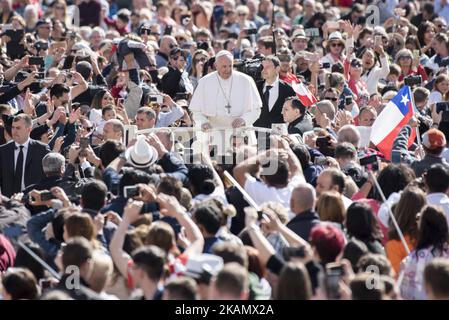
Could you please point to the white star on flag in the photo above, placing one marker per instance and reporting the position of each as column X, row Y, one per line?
column 405, row 100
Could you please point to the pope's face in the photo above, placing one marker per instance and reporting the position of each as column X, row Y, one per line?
column 224, row 67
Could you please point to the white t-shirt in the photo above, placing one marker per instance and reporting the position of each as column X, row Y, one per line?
column 262, row 193
column 435, row 97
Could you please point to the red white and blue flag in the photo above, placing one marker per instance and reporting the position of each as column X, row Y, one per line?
column 303, row 93
column 390, row 121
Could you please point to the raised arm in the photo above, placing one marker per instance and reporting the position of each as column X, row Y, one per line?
column 121, row 259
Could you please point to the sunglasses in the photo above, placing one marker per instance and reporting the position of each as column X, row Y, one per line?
column 331, row 98
column 146, row 31
column 201, row 60
column 45, row 27
column 336, row 45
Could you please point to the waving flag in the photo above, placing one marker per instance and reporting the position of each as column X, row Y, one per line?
column 390, row 121
column 304, row 94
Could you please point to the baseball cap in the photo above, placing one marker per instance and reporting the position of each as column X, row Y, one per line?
column 433, row 139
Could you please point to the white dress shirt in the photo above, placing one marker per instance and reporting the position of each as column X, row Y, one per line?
column 16, row 155
column 274, row 93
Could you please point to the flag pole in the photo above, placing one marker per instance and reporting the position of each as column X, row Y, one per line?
column 395, row 223
column 415, row 111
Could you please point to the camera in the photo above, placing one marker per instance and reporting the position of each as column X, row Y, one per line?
column 36, row 61
column 185, row 19
column 131, row 191
column 326, row 65
column 157, row 98
column 204, row 45
column 250, row 67
column 412, row 80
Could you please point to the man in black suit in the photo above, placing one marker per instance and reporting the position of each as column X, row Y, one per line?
column 273, row 93
column 21, row 159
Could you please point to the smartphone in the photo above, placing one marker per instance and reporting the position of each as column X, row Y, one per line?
column 348, row 100
column 84, row 143
column 322, row 142
column 332, row 284
column 40, row 75
column 182, row 96
column 293, row 252
column 378, row 40
column 251, row 31
column 312, row 32
column 15, row 35
column 47, row 195
column 120, row 101
column 320, row 161
column 333, row 25
column 168, row 30
column 68, row 62
column 131, row 191
column 416, row 55
column 326, row 65
column 159, row 99
column 36, row 61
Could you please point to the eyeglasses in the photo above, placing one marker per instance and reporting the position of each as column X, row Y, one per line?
column 331, row 98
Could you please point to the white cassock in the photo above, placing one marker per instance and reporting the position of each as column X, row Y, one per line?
column 211, row 98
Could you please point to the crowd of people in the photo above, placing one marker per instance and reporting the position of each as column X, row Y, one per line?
column 297, row 85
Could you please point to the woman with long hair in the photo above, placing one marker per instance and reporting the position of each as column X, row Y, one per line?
column 362, row 225
column 432, row 242
column 411, row 202
column 426, row 34
column 199, row 58
column 440, row 90
column 404, row 58
column 372, row 72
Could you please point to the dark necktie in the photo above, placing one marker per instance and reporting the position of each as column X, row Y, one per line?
column 18, row 172
column 266, row 96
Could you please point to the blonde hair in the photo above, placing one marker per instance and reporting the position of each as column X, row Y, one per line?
column 330, row 207
column 102, row 269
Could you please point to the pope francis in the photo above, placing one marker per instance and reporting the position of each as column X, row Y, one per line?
column 225, row 99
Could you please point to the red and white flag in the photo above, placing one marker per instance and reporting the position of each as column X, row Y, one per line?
column 304, row 94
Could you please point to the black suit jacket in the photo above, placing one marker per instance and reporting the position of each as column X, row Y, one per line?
column 267, row 118
column 33, row 165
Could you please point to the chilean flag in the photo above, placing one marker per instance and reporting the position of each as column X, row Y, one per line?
column 304, row 95
column 390, row 121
